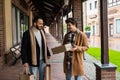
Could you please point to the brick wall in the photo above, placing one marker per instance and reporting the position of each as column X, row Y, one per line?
column 77, row 12
column 105, row 74
column 108, row 73
column 2, row 43
column 1, row 28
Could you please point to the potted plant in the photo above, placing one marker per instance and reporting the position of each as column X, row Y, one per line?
column 87, row 31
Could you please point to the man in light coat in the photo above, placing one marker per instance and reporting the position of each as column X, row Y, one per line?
column 73, row 59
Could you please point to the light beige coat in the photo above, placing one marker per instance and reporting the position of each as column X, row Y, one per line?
column 77, row 57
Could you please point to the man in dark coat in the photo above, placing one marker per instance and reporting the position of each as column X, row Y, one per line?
column 34, row 51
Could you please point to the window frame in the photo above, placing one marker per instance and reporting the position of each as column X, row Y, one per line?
column 113, row 3
column 117, row 28
column 17, row 33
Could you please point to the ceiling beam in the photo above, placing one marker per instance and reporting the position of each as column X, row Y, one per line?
column 52, row 2
column 48, row 8
column 50, row 5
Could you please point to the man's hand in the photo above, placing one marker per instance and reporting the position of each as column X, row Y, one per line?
column 74, row 48
column 48, row 57
column 26, row 65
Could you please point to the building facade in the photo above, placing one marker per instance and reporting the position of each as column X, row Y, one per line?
column 93, row 18
column 114, row 18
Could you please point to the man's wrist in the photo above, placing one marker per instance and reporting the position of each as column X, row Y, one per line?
column 26, row 65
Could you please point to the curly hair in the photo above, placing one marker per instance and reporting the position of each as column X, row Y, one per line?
column 71, row 20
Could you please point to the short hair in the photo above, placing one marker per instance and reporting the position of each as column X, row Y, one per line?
column 71, row 20
column 36, row 18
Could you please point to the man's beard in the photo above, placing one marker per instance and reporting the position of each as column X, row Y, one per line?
column 40, row 27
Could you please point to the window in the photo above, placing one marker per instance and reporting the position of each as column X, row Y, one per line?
column 111, row 30
column 23, row 23
column 118, row 26
column 118, row 2
column 95, row 4
column 114, row 0
column 20, row 24
column 113, row 3
column 14, row 25
column 109, row 3
column 90, row 6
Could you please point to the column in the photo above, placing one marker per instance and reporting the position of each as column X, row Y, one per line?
column 2, row 32
column 8, row 24
column 77, row 12
column 104, row 70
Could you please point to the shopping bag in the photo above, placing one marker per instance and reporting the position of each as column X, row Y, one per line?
column 26, row 75
column 48, row 72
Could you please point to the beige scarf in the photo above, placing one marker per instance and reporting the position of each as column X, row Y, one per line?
column 33, row 46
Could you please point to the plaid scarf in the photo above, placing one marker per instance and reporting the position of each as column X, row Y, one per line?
column 70, row 39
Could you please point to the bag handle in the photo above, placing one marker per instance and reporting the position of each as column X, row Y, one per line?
column 27, row 71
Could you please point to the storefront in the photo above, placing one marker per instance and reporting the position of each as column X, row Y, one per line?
column 14, row 20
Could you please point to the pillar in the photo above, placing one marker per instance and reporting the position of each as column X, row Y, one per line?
column 77, row 12
column 104, row 70
column 8, row 24
column 2, row 32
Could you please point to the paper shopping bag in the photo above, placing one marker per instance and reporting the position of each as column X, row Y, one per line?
column 48, row 72
column 26, row 77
